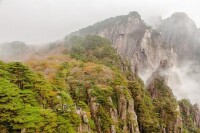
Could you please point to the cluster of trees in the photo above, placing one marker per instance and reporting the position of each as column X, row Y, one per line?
column 30, row 103
column 166, row 106
column 147, row 117
column 95, row 49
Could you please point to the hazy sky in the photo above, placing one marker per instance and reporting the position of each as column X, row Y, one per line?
column 41, row 21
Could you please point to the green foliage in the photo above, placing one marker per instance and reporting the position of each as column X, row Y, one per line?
column 73, row 118
column 95, row 49
column 88, row 81
column 102, row 96
column 13, row 111
column 28, row 100
column 49, row 121
column 92, row 124
column 64, row 126
column 28, row 117
column 21, row 75
column 78, row 52
column 50, row 106
column 83, row 105
column 10, row 102
column 147, row 118
column 105, row 120
column 165, row 103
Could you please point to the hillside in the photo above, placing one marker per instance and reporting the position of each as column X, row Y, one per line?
column 80, row 96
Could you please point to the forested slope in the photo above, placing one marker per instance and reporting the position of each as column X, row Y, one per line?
column 86, row 87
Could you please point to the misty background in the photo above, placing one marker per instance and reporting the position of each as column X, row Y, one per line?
column 38, row 22
column 42, row 21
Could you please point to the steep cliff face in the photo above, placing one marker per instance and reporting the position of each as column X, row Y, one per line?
column 180, row 33
column 133, row 40
column 176, row 37
column 164, row 100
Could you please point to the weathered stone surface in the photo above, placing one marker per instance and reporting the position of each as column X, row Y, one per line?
column 127, row 113
column 133, row 40
column 84, row 126
column 196, row 112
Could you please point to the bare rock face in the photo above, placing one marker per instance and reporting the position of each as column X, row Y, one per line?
column 127, row 113
column 84, row 126
column 176, row 37
column 133, row 40
column 196, row 112
column 132, row 125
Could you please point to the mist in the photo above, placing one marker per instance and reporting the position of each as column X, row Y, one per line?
column 184, row 81
column 43, row 21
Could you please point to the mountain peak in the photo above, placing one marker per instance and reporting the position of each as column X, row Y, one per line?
column 180, row 15
column 183, row 19
column 134, row 14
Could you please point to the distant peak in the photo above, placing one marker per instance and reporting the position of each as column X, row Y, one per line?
column 134, row 14
column 182, row 20
column 180, row 15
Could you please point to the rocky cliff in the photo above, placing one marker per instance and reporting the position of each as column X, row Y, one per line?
column 133, row 39
column 176, row 37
